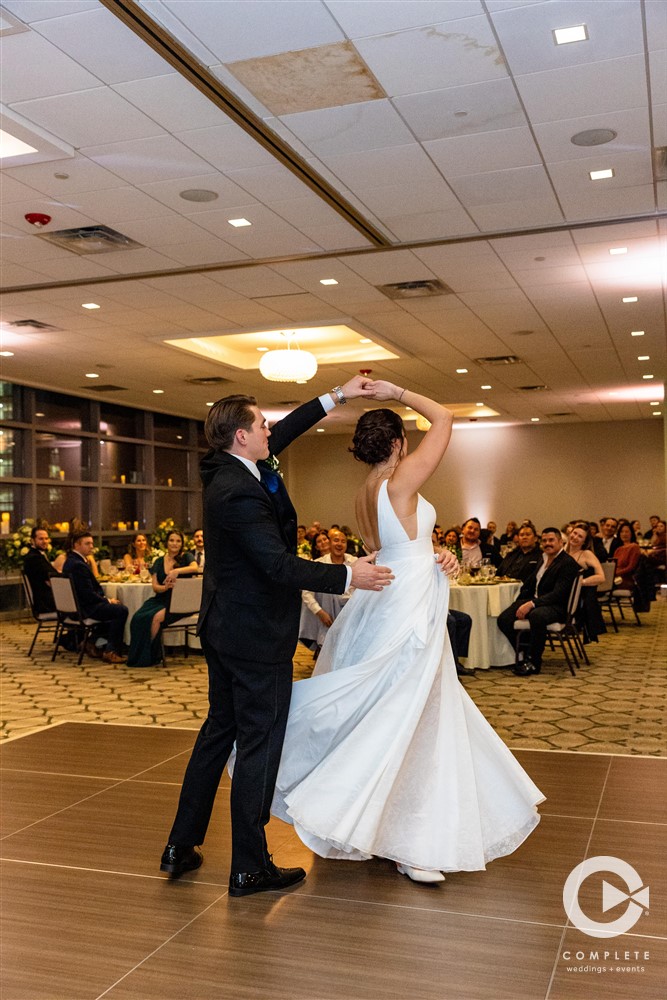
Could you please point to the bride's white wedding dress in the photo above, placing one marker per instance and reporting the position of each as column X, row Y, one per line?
column 385, row 754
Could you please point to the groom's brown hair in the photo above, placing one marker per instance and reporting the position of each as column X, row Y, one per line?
column 225, row 417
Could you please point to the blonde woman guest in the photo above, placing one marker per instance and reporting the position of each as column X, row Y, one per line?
column 580, row 547
column 139, row 556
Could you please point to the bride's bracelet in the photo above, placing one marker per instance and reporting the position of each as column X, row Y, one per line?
column 401, row 396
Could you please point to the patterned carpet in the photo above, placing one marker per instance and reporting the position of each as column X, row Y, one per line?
column 616, row 705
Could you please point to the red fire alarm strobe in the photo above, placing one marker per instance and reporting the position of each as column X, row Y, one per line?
column 38, row 219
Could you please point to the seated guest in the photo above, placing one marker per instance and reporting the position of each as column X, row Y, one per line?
column 38, row 571
column 145, row 650
column 510, row 531
column 452, row 542
column 608, row 537
column 594, row 528
column 138, row 557
column 637, row 528
column 523, row 560
column 91, row 599
column 339, row 556
column 77, row 525
column 199, row 553
column 542, row 600
column 354, row 546
column 491, row 539
column 627, row 556
column 459, row 626
column 321, row 545
column 580, row 547
column 653, row 520
column 657, row 551
column 473, row 549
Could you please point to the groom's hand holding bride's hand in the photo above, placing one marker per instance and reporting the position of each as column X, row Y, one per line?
column 356, row 387
column 367, row 576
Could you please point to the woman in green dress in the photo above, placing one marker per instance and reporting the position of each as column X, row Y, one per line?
column 145, row 649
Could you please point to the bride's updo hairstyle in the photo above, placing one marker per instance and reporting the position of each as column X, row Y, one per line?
column 375, row 434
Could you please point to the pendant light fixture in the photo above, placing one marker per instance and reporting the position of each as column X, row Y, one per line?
column 289, row 364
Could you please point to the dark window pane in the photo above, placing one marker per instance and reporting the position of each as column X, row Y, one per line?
column 119, row 510
column 120, row 421
column 10, row 396
column 201, row 437
column 67, row 413
column 62, row 457
column 172, row 430
column 60, row 504
column 12, row 451
column 172, row 503
column 121, row 463
column 10, row 509
column 171, row 467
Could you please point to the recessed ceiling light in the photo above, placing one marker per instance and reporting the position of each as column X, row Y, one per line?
column 179, row 437
column 601, row 175
column 320, row 430
column 630, row 298
column 328, row 281
column 158, row 392
column 461, row 371
column 577, row 33
column 89, row 305
column 61, row 176
column 535, row 420
column 198, row 194
column 617, row 250
column 486, row 387
column 479, row 404
column 365, row 340
column 302, row 381
column 655, row 403
column 11, row 146
column 237, row 223
column 657, row 413
column 643, row 357
column 40, row 414
column 647, row 376
column 593, row 137
column 637, row 333
column 210, row 404
column 262, row 348
column 92, row 375
column 6, row 354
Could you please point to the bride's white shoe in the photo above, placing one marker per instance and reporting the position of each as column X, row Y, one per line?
column 420, row 874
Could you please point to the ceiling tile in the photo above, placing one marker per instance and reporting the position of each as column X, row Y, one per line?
column 454, row 221
column 269, row 182
column 351, row 128
column 208, row 250
column 38, row 10
column 101, row 43
column 62, row 216
column 172, row 102
column 168, row 192
column 582, row 91
column 89, row 117
column 13, row 190
column 240, row 30
column 502, row 185
column 470, row 154
column 226, row 147
column 374, row 17
column 421, row 59
column 145, row 161
column 32, row 67
column 81, row 175
column 515, row 214
column 117, row 205
column 480, row 107
column 614, row 29
column 658, row 70
column 632, row 128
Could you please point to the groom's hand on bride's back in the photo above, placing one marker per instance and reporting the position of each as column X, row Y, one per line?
column 367, row 576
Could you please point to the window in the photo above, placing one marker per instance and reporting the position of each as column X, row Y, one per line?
column 121, row 462
column 171, row 430
column 171, row 467
column 59, row 456
column 12, row 452
column 121, row 421
column 65, row 413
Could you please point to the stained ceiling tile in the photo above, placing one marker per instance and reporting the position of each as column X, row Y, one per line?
column 479, row 107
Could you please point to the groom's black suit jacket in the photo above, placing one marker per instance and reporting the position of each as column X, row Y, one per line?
column 252, row 577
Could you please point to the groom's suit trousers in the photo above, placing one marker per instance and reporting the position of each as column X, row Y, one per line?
column 249, row 707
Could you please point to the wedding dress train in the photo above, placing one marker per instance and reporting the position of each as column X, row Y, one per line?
column 385, row 753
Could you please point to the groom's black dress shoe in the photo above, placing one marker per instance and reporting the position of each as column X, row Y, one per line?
column 179, row 860
column 464, row 671
column 271, row 877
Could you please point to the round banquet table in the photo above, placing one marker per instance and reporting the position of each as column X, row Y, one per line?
column 484, row 602
column 133, row 595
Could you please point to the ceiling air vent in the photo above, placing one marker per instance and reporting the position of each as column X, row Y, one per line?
column 104, row 388
column 565, row 413
column 660, row 163
column 32, row 324
column 415, row 289
column 499, row 359
column 90, row 239
column 532, row 388
column 208, row 380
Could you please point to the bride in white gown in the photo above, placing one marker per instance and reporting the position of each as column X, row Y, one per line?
column 385, row 754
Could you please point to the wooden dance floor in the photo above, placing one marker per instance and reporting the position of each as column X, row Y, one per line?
column 87, row 914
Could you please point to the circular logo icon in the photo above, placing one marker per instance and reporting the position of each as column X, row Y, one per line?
column 636, row 897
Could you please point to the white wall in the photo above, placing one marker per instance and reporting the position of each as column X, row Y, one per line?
column 547, row 473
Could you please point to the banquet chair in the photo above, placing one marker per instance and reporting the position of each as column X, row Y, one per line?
column 605, row 590
column 70, row 616
column 46, row 620
column 565, row 633
column 185, row 601
column 623, row 597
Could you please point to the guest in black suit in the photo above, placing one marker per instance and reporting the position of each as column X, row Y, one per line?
column 609, row 540
column 542, row 599
column 38, row 571
column 522, row 561
column 249, row 624
column 92, row 602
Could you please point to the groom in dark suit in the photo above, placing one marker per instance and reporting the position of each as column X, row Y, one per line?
column 248, row 626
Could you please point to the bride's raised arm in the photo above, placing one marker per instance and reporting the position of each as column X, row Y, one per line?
column 415, row 468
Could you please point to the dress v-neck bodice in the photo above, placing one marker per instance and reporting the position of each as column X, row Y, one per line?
column 393, row 537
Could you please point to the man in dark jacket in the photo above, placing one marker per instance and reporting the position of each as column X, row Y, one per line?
column 248, row 625
column 38, row 571
column 542, row 599
column 92, row 600
column 522, row 561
